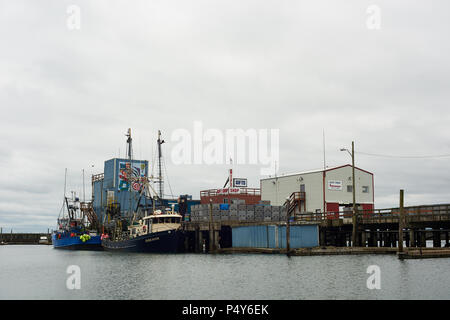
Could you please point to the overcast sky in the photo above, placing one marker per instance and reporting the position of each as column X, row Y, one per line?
column 67, row 96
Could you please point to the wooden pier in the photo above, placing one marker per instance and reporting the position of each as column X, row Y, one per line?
column 377, row 231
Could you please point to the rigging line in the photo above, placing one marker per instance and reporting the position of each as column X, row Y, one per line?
column 60, row 210
column 165, row 170
column 153, row 162
column 168, row 181
column 404, row 157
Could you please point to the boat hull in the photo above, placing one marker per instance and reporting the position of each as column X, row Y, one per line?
column 75, row 243
column 158, row 242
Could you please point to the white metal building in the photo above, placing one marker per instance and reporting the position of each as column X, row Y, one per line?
column 325, row 190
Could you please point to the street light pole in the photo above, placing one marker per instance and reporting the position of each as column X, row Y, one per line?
column 354, row 217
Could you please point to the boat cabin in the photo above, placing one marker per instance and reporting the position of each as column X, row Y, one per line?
column 155, row 223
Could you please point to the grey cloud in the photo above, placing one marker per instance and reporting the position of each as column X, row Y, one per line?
column 67, row 97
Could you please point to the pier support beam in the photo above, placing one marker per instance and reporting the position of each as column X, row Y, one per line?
column 343, row 239
column 423, row 239
column 407, row 242
column 186, row 242
column 447, row 244
column 200, row 241
column 436, row 238
column 197, row 244
column 363, row 238
column 211, row 241
column 372, row 239
column 385, row 236
column 412, row 237
column 388, row 239
column 216, row 239
column 322, row 237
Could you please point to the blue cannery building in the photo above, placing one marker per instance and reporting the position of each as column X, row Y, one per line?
column 113, row 186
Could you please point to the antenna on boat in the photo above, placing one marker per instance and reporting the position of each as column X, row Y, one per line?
column 129, row 144
column 160, row 178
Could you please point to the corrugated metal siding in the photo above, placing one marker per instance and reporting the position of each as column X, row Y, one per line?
column 301, row 236
column 252, row 236
column 306, row 236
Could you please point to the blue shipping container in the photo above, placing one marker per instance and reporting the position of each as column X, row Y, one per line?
column 272, row 236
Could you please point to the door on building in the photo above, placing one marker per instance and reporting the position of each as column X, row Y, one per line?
column 332, row 209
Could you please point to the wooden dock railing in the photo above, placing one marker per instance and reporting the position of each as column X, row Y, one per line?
column 419, row 213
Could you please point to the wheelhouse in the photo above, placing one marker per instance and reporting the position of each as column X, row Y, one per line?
column 162, row 219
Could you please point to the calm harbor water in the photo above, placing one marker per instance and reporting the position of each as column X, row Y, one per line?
column 39, row 272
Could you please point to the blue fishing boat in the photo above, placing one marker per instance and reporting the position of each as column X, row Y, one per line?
column 75, row 227
column 74, row 241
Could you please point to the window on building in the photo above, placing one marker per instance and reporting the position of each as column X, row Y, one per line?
column 365, row 189
column 349, row 188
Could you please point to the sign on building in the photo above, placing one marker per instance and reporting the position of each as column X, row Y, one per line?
column 335, row 185
column 239, row 183
column 137, row 172
column 229, row 191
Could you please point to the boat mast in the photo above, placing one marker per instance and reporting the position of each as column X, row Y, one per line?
column 64, row 198
column 84, row 193
column 160, row 178
column 130, row 170
column 65, row 182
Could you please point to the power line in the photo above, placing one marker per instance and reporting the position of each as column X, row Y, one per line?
column 404, row 157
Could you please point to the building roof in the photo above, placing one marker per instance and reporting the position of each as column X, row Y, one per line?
column 315, row 171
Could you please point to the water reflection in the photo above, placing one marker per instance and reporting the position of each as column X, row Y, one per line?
column 39, row 272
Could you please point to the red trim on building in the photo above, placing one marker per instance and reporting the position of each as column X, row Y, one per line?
column 373, row 191
column 348, row 165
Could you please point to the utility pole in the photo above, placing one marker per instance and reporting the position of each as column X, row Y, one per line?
column 288, row 227
column 323, row 138
column 354, row 217
column 355, row 212
column 401, row 218
column 211, row 228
